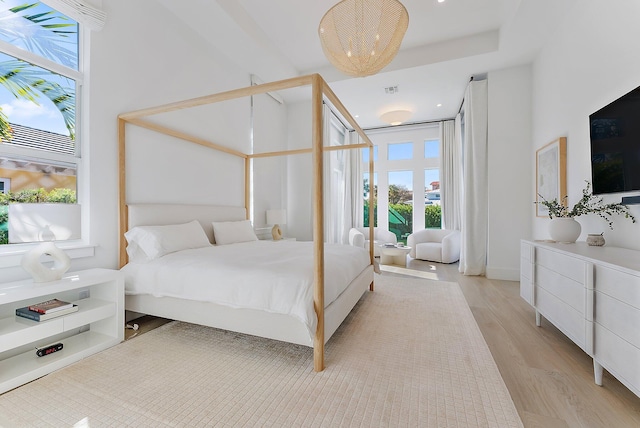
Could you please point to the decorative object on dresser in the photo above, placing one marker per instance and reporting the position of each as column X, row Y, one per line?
column 595, row 239
column 590, row 294
column 33, row 265
column 276, row 218
column 564, row 228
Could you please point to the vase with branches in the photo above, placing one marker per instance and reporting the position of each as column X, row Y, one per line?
column 588, row 204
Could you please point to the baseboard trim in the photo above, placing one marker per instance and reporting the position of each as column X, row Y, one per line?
column 503, row 274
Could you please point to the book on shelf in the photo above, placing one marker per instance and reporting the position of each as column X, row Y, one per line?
column 36, row 316
column 49, row 306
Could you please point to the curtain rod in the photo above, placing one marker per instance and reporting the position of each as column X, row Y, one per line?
column 462, row 103
column 481, row 76
column 424, row 122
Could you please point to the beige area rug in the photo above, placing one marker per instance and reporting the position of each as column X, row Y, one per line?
column 410, row 354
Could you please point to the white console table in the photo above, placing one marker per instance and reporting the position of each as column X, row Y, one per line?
column 97, row 325
column 592, row 294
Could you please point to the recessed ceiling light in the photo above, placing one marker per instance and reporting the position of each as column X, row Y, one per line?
column 438, row 105
column 357, row 116
column 440, row 1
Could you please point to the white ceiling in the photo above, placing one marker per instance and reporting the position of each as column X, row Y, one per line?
column 445, row 44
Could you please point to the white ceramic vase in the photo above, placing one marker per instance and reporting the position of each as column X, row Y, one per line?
column 564, row 230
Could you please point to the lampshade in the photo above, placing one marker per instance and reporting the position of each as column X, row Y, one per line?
column 361, row 37
column 396, row 117
column 276, row 217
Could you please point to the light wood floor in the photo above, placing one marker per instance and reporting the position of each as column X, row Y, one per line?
column 550, row 379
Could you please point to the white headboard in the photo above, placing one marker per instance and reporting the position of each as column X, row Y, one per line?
column 159, row 214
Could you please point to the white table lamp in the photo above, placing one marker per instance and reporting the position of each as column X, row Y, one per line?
column 276, row 218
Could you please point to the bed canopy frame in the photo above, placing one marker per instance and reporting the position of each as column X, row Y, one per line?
column 319, row 91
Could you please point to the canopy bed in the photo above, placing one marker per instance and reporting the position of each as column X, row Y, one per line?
column 329, row 305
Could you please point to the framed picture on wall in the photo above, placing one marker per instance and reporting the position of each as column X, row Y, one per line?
column 551, row 174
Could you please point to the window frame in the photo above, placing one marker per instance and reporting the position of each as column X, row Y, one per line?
column 11, row 254
column 416, row 134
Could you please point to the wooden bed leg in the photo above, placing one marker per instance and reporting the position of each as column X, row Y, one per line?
column 371, row 286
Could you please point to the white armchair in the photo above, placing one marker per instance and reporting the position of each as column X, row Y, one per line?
column 436, row 245
column 359, row 237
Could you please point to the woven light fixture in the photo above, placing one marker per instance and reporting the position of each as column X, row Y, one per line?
column 361, row 37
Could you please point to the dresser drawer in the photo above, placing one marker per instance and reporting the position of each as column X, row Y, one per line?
column 619, row 317
column 563, row 316
column 526, row 290
column 621, row 285
column 569, row 291
column 564, row 265
column 619, row 357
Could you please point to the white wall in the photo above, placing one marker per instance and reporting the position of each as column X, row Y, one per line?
column 591, row 61
column 269, row 174
column 299, row 175
column 510, row 198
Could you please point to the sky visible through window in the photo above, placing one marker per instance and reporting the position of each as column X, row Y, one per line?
column 37, row 28
column 43, row 115
column 431, row 149
column 402, row 151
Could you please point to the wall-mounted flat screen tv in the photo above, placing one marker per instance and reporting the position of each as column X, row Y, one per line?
column 615, row 145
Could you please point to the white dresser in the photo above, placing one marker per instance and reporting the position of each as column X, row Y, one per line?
column 592, row 294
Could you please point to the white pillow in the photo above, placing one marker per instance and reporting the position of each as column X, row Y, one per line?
column 156, row 241
column 135, row 253
column 231, row 232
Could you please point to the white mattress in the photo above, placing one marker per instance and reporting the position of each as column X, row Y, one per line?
column 266, row 275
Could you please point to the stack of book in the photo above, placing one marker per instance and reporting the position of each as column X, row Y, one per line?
column 46, row 310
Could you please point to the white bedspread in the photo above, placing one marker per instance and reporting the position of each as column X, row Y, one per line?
column 271, row 276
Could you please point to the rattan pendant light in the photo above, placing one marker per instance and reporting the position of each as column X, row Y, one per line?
column 361, row 37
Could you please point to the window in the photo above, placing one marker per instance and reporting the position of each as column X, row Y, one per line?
column 39, row 79
column 366, row 188
column 432, row 149
column 401, row 204
column 408, row 193
column 400, row 151
column 365, row 155
column 432, row 207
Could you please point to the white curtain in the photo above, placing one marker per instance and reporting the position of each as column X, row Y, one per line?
column 354, row 185
column 473, row 251
column 451, row 174
column 342, row 182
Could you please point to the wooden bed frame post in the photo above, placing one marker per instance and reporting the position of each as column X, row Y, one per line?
column 247, row 186
column 371, row 211
column 318, row 220
column 123, row 220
